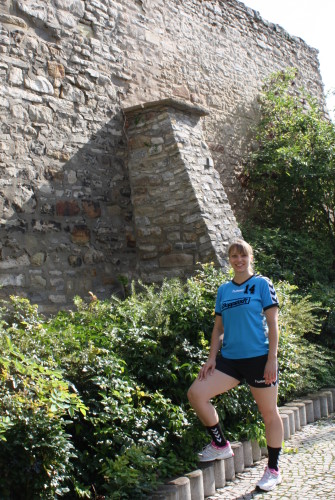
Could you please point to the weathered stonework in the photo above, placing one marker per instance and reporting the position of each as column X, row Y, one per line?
column 69, row 207
column 181, row 213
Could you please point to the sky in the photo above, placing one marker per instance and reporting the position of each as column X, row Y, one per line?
column 314, row 23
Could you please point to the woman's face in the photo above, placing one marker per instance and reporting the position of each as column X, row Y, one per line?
column 240, row 262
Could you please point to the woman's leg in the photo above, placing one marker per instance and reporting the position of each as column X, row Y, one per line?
column 202, row 391
column 199, row 394
column 266, row 399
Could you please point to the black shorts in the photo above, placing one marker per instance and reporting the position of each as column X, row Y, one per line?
column 250, row 370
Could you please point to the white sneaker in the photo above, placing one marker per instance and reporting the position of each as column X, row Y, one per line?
column 269, row 480
column 212, row 452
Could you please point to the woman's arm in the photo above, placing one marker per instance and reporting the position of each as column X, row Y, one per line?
column 216, row 342
column 271, row 367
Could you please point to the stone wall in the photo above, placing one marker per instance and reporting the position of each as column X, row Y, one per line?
column 180, row 210
column 68, row 71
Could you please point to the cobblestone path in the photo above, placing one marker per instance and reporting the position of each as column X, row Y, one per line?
column 307, row 466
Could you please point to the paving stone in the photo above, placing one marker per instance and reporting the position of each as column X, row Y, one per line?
column 307, row 465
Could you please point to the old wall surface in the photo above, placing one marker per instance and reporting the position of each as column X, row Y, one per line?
column 68, row 69
column 181, row 212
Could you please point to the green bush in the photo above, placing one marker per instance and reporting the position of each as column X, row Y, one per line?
column 291, row 172
column 294, row 256
column 325, row 294
column 99, row 401
column 36, row 404
column 303, row 366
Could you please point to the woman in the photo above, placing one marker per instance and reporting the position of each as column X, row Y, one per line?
column 246, row 334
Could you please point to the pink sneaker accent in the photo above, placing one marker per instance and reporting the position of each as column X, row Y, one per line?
column 270, row 479
column 225, row 447
column 213, row 452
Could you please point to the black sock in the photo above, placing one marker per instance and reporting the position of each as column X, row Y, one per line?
column 273, row 457
column 217, row 435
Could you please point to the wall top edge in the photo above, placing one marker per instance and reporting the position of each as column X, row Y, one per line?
column 168, row 103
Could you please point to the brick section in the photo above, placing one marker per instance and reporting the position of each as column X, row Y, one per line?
column 92, row 209
column 67, row 208
column 80, row 235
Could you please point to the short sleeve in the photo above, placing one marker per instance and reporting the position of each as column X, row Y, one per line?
column 268, row 294
column 218, row 302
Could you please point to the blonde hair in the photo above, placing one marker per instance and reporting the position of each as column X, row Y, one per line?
column 243, row 248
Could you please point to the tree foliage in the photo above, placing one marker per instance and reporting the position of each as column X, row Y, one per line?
column 291, row 172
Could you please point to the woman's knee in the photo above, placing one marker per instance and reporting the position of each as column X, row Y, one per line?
column 191, row 393
column 270, row 414
column 194, row 393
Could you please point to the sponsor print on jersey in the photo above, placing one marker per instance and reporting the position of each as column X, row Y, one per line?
column 228, row 304
column 245, row 290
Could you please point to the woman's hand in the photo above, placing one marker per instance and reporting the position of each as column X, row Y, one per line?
column 207, row 369
column 271, row 370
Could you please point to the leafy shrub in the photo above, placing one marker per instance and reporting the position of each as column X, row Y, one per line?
column 303, row 366
column 35, row 404
column 291, row 172
column 294, row 256
column 109, row 383
column 325, row 294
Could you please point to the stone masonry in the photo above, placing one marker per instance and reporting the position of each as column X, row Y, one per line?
column 181, row 213
column 71, row 213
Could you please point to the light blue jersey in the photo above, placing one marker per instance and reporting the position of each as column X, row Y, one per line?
column 242, row 309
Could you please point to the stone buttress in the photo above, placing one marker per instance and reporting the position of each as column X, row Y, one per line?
column 181, row 213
